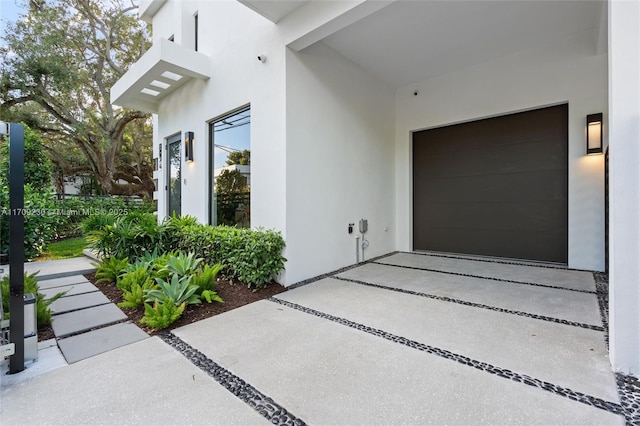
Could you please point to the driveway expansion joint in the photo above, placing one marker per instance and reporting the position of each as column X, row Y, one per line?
column 476, row 305
column 485, row 278
column 461, row 359
column 261, row 403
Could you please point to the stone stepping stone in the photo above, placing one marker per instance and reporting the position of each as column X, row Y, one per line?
column 80, row 301
column 76, row 348
column 61, row 282
column 86, row 319
column 60, row 268
column 70, row 289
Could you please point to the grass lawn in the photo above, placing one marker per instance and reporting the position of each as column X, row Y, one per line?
column 64, row 249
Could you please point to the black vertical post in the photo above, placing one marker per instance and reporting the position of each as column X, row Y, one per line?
column 16, row 245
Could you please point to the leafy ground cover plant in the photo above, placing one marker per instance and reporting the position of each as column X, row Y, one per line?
column 110, row 269
column 162, row 314
column 43, row 309
column 156, row 279
column 205, row 280
column 135, row 274
column 134, row 297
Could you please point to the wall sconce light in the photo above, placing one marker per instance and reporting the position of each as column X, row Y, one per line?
column 594, row 134
column 188, row 146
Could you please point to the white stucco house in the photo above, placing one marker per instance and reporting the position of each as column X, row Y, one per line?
column 425, row 118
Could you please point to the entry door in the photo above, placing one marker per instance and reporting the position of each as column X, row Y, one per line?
column 174, row 172
column 495, row 187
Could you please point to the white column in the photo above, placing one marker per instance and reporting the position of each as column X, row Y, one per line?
column 624, row 184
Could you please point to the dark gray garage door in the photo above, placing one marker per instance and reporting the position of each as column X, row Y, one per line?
column 495, row 187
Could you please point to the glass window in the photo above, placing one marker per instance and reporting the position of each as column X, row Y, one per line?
column 230, row 148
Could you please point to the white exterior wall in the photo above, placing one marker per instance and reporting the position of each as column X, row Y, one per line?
column 340, row 150
column 566, row 72
column 624, row 184
column 237, row 79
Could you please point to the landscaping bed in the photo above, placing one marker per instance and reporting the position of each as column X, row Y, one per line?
column 234, row 294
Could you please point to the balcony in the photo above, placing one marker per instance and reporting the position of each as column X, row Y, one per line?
column 161, row 70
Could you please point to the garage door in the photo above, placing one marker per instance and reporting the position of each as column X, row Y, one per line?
column 495, row 187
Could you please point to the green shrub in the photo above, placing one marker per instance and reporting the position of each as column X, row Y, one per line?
column 174, row 226
column 252, row 256
column 96, row 222
column 163, row 314
column 39, row 224
column 110, row 269
column 37, row 165
column 129, row 236
column 47, row 218
column 43, row 310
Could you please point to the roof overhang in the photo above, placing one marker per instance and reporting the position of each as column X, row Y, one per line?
column 161, row 70
column 274, row 10
column 148, row 9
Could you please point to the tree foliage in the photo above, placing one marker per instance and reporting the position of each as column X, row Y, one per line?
column 37, row 166
column 231, row 181
column 57, row 68
column 239, row 157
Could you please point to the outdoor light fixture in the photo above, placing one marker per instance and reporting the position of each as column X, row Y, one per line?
column 594, row 134
column 188, row 146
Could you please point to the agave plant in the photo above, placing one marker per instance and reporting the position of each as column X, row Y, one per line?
column 178, row 290
column 182, row 264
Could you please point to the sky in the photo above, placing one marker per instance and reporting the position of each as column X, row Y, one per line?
column 9, row 11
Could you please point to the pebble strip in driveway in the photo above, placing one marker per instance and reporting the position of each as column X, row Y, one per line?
column 327, row 333
column 628, row 386
column 264, row 405
column 483, row 366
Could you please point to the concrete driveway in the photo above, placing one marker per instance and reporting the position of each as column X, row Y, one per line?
column 406, row 339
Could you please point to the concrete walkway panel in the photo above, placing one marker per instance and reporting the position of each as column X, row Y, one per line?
column 62, row 282
column 71, row 290
column 51, row 269
column 326, row 373
column 145, row 383
column 562, row 304
column 577, row 280
column 86, row 319
column 85, row 345
column 80, row 301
